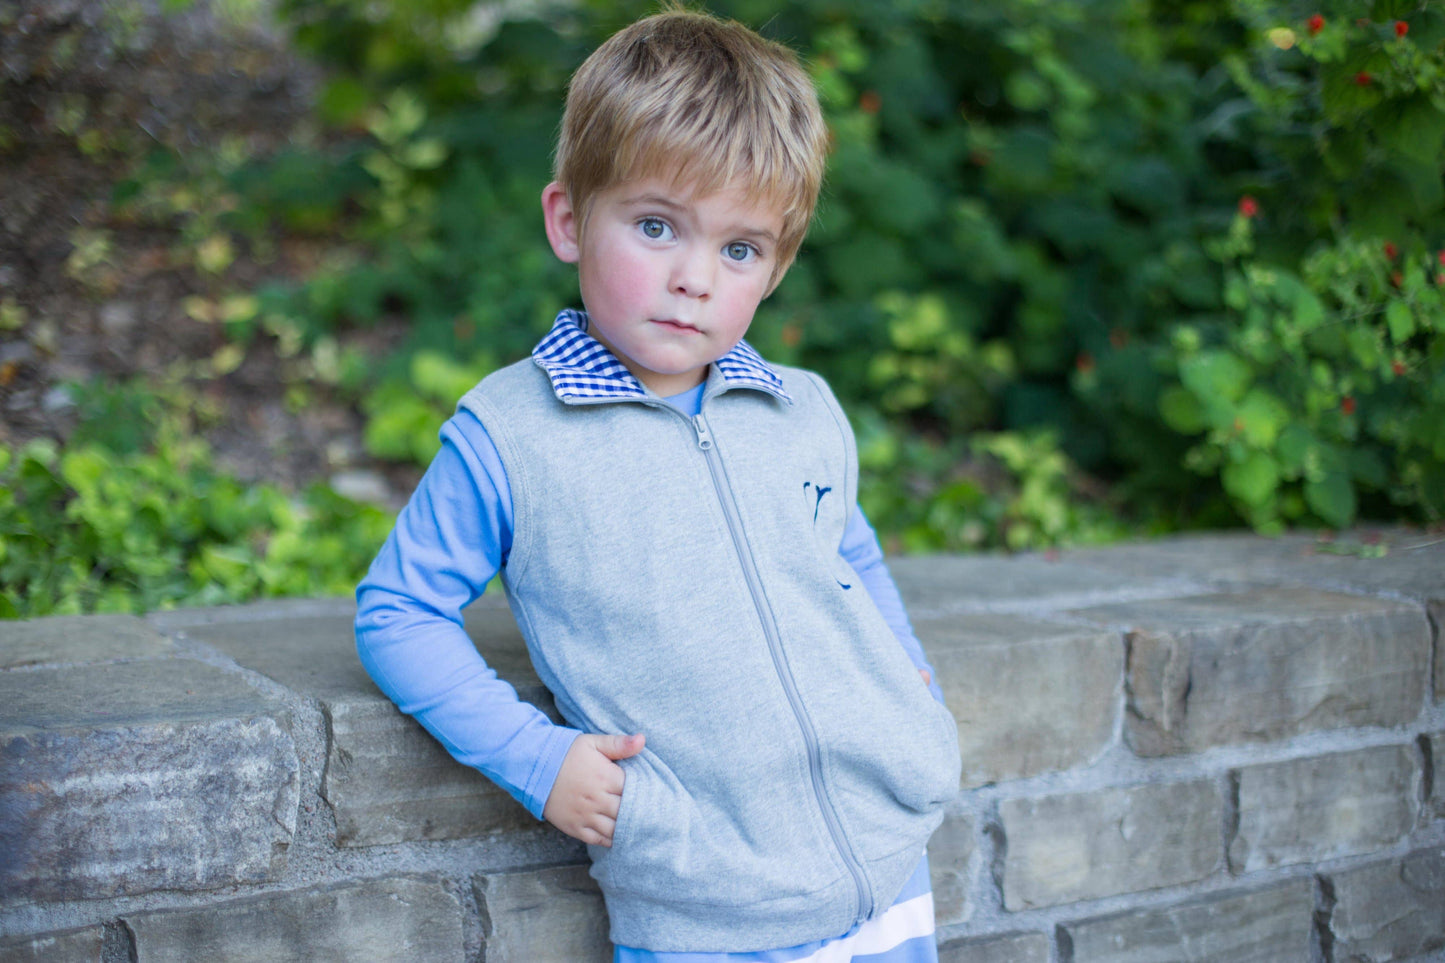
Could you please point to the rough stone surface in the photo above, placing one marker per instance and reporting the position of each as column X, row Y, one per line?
column 934, row 585
column 1307, row 810
column 120, row 779
column 1265, row 926
column 542, row 916
column 73, row 946
column 1029, row 696
column 311, row 655
column 401, row 919
column 389, row 781
column 1391, row 910
column 1088, row 845
column 1437, row 625
column 1009, row 948
column 949, row 854
column 1413, row 564
column 1257, row 666
column 1435, row 747
column 70, row 639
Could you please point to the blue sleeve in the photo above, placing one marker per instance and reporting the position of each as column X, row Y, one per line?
column 449, row 541
column 860, row 549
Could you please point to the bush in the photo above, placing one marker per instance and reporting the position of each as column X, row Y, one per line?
column 151, row 523
column 1156, row 232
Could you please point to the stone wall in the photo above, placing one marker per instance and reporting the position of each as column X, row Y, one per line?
column 1208, row 748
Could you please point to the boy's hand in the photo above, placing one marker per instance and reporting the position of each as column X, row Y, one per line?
column 927, row 678
column 588, row 791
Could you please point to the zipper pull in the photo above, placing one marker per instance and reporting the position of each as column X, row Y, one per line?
column 704, row 437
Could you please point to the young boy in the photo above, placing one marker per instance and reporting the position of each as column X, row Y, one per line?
column 755, row 753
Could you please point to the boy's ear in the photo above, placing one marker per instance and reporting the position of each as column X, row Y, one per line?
column 560, row 219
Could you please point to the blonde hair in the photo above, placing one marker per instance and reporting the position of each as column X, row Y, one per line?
column 687, row 97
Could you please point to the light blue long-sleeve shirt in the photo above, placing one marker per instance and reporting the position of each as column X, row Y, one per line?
column 450, row 540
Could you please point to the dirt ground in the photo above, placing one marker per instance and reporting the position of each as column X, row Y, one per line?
column 87, row 89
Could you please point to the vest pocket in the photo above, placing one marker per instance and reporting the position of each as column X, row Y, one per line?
column 634, row 789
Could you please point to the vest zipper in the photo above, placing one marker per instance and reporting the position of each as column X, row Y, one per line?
column 775, row 648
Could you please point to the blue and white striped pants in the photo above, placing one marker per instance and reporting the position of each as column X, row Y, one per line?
column 903, row 934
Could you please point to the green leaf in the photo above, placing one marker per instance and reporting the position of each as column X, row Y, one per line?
column 1215, row 374
column 1309, row 313
column 1400, row 321
column 1182, row 411
column 83, row 469
column 1253, row 480
column 1417, row 131
column 1332, row 498
column 1261, row 417
column 1295, row 443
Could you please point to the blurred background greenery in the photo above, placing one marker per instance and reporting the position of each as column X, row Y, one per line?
column 1082, row 269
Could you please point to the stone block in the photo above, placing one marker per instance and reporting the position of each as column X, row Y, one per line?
column 543, row 916
column 119, row 779
column 1391, row 910
column 1266, row 665
column 1322, row 807
column 387, row 779
column 1413, row 563
column 397, row 920
column 1009, row 948
column 1029, row 696
column 936, row 585
column 1264, row 926
column 1434, row 748
column 78, row 639
column 1078, row 846
column 949, row 853
column 1437, row 624
column 72, row 946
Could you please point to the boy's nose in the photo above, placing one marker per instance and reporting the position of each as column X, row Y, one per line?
column 692, row 274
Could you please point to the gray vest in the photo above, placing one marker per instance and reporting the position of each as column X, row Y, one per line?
column 681, row 578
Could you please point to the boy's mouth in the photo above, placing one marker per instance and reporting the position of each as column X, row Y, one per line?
column 676, row 325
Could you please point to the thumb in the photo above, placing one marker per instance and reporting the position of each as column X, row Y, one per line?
column 620, row 747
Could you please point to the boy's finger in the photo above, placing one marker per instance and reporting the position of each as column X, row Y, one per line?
column 620, row 747
column 927, row 676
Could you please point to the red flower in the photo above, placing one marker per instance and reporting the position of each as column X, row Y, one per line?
column 1391, row 250
column 1249, row 207
column 869, row 102
column 1398, row 367
column 1396, row 278
column 1316, row 24
column 1363, row 78
column 1401, row 28
column 1442, row 258
column 1347, row 405
column 1084, row 362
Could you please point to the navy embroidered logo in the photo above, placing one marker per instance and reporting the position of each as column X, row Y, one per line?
column 817, row 492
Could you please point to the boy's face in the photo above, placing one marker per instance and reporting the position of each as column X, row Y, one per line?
column 670, row 278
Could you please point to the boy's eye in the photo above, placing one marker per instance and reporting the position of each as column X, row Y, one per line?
column 653, row 227
column 738, row 251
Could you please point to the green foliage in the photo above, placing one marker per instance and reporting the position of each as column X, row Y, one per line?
column 150, row 522
column 1315, row 393
column 405, row 414
column 1034, row 227
column 1005, row 490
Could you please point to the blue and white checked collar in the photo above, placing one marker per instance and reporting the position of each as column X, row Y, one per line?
column 582, row 369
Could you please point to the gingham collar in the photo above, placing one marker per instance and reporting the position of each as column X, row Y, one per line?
column 583, row 370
